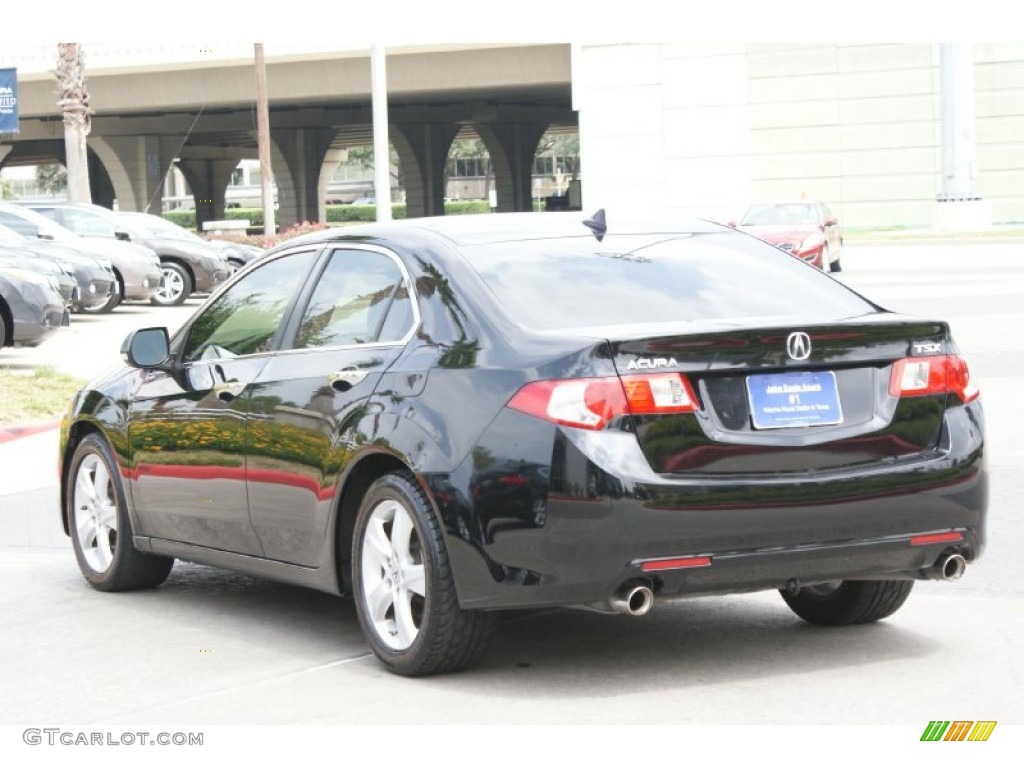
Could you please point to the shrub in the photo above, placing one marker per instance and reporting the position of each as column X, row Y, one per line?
column 186, row 219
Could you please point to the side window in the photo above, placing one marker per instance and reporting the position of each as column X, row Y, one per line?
column 19, row 225
column 244, row 319
column 361, row 298
column 87, row 223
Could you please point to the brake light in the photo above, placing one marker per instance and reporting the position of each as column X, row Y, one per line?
column 584, row 403
column 593, row 403
column 938, row 375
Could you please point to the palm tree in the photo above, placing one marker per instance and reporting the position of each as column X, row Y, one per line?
column 74, row 101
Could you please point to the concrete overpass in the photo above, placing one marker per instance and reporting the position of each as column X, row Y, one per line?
column 156, row 104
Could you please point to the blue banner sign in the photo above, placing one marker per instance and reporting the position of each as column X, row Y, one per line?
column 8, row 101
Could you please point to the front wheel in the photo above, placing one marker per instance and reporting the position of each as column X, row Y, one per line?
column 101, row 532
column 175, row 286
column 116, row 293
column 404, row 586
column 840, row 603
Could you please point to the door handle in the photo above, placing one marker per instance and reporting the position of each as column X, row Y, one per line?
column 345, row 379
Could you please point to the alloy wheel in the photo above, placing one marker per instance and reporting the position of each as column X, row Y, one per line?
column 95, row 513
column 393, row 576
column 172, row 286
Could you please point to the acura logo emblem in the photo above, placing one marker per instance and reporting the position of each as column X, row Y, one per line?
column 798, row 345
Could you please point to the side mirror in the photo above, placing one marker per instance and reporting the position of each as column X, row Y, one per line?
column 731, row 223
column 831, row 221
column 146, row 348
column 45, row 234
column 120, row 234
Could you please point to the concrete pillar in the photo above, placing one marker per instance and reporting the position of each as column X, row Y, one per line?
column 208, row 178
column 137, row 166
column 512, row 147
column 298, row 159
column 422, row 153
column 958, row 205
column 100, row 185
column 332, row 160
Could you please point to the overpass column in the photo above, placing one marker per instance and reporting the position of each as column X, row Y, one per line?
column 137, row 166
column 298, row 159
column 208, row 178
column 422, row 153
column 512, row 147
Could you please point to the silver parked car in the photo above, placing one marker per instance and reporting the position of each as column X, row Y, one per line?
column 30, row 307
column 187, row 263
column 137, row 268
column 94, row 275
column 60, row 275
column 190, row 263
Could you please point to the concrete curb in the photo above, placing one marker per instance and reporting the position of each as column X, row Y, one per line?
column 14, row 431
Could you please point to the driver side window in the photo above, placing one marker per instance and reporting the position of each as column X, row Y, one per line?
column 245, row 318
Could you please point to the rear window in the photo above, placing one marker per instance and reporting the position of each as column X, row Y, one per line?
column 578, row 282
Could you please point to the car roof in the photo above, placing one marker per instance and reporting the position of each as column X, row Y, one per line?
column 479, row 229
column 799, row 201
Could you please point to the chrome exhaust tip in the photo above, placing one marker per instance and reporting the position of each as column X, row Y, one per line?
column 949, row 567
column 632, row 599
column 952, row 566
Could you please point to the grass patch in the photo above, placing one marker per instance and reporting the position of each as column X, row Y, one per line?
column 44, row 394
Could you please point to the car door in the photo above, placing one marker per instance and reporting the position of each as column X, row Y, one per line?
column 309, row 405
column 188, row 430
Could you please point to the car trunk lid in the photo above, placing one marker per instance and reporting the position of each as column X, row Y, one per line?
column 788, row 399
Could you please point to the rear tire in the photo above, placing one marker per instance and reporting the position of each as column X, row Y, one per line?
column 101, row 531
column 404, row 586
column 848, row 602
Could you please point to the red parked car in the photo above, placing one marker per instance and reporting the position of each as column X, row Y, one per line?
column 805, row 228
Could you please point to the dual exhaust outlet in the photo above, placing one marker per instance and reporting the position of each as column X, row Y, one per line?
column 636, row 598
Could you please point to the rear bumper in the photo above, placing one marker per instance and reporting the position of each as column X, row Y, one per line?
column 605, row 514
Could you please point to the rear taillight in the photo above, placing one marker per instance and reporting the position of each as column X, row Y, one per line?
column 659, row 393
column 593, row 403
column 932, row 376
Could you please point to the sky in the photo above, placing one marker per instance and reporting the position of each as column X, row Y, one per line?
column 395, row 21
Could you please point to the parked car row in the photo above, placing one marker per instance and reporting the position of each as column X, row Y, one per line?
column 93, row 259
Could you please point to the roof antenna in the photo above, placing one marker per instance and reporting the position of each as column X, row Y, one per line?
column 597, row 225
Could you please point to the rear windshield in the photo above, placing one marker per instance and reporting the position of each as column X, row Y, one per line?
column 574, row 283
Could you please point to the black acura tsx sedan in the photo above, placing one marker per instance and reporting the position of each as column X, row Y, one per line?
column 447, row 418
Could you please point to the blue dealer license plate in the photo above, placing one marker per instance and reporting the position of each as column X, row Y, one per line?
column 779, row 400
